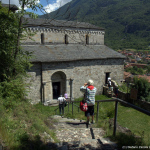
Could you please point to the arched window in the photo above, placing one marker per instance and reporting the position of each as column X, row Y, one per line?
column 87, row 39
column 42, row 38
column 66, row 39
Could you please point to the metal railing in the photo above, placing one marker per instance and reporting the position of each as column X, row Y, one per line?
column 69, row 103
column 116, row 109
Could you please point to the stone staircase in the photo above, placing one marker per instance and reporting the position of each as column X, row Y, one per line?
column 51, row 103
column 75, row 134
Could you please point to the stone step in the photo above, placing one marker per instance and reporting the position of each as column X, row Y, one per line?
column 73, row 135
column 53, row 104
column 94, row 144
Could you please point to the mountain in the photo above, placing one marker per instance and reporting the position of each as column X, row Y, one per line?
column 126, row 22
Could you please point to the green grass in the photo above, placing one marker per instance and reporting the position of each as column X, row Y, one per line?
column 137, row 122
column 24, row 126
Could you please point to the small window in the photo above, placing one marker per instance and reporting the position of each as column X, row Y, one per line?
column 66, row 39
column 42, row 38
column 87, row 39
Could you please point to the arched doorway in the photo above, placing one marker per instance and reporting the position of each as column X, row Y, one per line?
column 58, row 84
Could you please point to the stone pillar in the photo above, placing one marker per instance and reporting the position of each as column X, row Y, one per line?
column 51, row 90
column 68, row 86
column 71, row 89
column 43, row 91
column 48, row 91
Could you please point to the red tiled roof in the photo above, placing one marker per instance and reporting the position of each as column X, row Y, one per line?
column 129, row 54
column 127, row 74
column 147, row 58
column 127, row 66
column 133, row 64
column 144, row 76
column 133, row 60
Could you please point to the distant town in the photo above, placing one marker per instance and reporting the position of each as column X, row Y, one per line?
column 136, row 60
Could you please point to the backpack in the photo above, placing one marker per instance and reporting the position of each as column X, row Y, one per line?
column 65, row 103
column 83, row 106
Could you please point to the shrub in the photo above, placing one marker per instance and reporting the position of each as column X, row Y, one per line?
column 11, row 92
column 143, row 88
column 124, row 88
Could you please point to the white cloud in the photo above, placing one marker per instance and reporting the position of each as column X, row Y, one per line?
column 52, row 7
column 49, row 8
column 16, row 2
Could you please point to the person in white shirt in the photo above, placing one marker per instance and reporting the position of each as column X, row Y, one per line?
column 61, row 104
column 109, row 82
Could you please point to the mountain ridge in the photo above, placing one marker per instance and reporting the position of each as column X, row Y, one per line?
column 126, row 23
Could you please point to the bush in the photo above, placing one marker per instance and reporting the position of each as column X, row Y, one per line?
column 143, row 88
column 11, row 92
column 135, row 70
column 124, row 88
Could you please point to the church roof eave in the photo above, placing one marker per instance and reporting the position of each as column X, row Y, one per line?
column 59, row 53
column 29, row 22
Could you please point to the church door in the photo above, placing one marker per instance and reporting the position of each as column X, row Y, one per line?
column 56, row 90
column 106, row 77
column 58, row 84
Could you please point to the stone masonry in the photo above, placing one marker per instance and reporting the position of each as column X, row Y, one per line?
column 66, row 55
column 80, row 71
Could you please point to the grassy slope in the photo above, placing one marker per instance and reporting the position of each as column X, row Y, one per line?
column 21, row 126
column 136, row 121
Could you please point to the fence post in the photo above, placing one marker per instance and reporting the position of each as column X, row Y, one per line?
column 115, row 119
column 72, row 108
column 68, row 106
column 63, row 109
column 97, row 111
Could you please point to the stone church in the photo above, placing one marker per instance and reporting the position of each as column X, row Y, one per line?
column 67, row 54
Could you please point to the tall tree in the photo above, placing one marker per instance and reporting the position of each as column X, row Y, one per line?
column 8, row 38
column 13, row 60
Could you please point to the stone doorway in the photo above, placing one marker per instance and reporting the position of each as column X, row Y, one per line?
column 56, row 89
column 58, row 84
column 106, row 77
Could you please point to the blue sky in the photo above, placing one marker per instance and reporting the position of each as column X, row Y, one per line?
column 49, row 5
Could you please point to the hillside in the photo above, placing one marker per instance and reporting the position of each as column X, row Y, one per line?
column 126, row 22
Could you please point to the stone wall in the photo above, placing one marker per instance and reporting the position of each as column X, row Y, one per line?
column 126, row 97
column 34, row 83
column 79, row 71
column 52, row 36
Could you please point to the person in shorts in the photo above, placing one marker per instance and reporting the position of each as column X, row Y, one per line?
column 89, row 95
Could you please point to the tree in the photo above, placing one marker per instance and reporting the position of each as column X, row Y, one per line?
column 143, row 88
column 148, row 68
column 135, row 70
column 13, row 60
column 8, row 30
